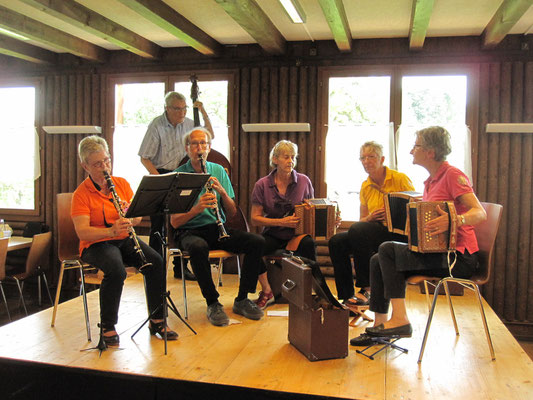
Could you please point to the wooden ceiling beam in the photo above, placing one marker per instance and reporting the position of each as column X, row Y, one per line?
column 81, row 17
column 254, row 21
column 420, row 16
column 49, row 36
column 18, row 49
column 176, row 24
column 503, row 21
column 338, row 23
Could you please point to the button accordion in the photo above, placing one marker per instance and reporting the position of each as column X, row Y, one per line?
column 421, row 212
column 317, row 218
column 396, row 210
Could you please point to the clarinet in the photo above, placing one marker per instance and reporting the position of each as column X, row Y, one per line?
column 133, row 235
column 222, row 234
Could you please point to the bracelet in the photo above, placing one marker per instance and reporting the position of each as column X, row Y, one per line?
column 463, row 219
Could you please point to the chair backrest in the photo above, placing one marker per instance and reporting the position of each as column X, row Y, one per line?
column 3, row 253
column 67, row 239
column 214, row 157
column 238, row 221
column 486, row 237
column 39, row 253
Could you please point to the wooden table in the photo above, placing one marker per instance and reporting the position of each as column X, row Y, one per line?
column 19, row 242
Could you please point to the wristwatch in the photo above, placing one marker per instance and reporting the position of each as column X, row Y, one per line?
column 462, row 218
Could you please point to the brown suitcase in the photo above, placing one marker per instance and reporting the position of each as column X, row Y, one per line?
column 317, row 327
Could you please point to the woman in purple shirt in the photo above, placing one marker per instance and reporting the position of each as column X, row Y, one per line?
column 273, row 200
column 394, row 262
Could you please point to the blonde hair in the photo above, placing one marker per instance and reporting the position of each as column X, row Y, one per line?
column 375, row 146
column 91, row 144
column 283, row 146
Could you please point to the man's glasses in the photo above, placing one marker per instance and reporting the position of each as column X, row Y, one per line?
column 198, row 144
column 102, row 163
column 363, row 158
column 179, row 109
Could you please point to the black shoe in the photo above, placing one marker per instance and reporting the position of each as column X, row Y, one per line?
column 157, row 328
column 399, row 331
column 189, row 276
column 365, row 340
column 113, row 340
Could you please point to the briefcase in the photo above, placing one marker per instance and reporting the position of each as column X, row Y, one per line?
column 318, row 325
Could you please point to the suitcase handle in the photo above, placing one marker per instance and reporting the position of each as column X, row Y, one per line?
column 288, row 285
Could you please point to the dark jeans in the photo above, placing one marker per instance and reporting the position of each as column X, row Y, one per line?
column 306, row 248
column 362, row 241
column 390, row 268
column 197, row 242
column 111, row 257
column 158, row 227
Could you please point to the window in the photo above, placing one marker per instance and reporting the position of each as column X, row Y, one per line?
column 138, row 101
column 428, row 101
column 20, row 148
column 358, row 112
column 389, row 109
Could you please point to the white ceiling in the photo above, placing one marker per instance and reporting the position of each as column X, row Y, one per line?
column 366, row 19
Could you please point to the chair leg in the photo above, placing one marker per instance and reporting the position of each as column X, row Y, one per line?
column 450, row 305
column 427, row 294
column 85, row 306
column 58, row 292
column 219, row 272
column 484, row 319
column 428, row 323
column 21, row 296
column 47, row 288
column 5, row 301
column 184, row 287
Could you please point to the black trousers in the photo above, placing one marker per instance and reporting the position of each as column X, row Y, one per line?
column 111, row 257
column 362, row 241
column 306, row 248
column 394, row 263
column 197, row 242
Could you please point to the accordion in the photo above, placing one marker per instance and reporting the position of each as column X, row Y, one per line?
column 396, row 210
column 420, row 241
column 317, row 218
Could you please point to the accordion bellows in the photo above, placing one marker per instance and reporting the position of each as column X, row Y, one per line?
column 396, row 211
column 317, row 218
column 421, row 241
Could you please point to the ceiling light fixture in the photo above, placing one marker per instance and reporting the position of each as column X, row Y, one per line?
column 13, row 34
column 294, row 10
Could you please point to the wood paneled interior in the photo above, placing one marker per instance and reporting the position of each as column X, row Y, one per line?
column 270, row 89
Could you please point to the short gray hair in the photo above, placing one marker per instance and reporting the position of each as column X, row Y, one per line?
column 186, row 138
column 435, row 138
column 375, row 146
column 171, row 96
column 283, row 146
column 91, row 144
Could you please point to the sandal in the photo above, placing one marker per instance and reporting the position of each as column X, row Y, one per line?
column 157, row 328
column 356, row 301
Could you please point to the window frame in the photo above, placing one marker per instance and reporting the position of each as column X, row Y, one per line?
column 396, row 73
column 35, row 213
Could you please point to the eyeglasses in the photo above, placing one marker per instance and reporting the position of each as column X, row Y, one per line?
column 101, row 163
column 417, row 145
column 198, row 144
column 179, row 109
column 363, row 158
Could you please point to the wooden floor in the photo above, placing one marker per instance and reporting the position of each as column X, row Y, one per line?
column 256, row 354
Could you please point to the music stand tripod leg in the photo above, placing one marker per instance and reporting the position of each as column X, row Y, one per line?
column 101, row 346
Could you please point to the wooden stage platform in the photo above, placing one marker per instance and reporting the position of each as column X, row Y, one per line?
column 253, row 359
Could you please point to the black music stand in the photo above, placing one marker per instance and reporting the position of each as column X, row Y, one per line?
column 170, row 193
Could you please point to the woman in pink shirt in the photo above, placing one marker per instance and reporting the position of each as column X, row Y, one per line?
column 394, row 263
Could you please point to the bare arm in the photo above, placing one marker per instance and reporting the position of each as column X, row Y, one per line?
column 475, row 214
column 207, row 121
column 258, row 219
column 86, row 232
column 149, row 166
